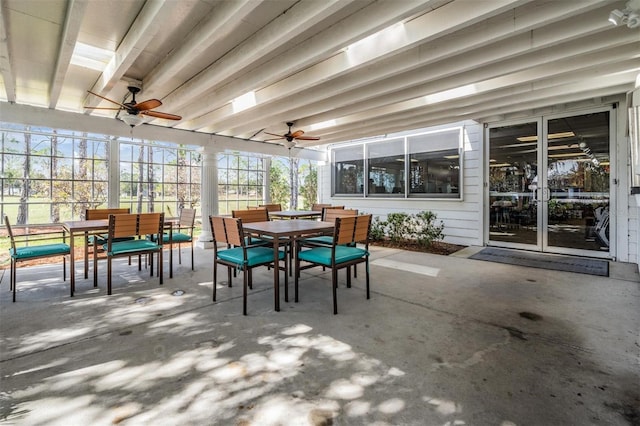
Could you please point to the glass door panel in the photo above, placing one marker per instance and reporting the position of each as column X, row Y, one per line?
column 577, row 188
column 513, row 185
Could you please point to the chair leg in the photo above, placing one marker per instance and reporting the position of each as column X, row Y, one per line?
column 348, row 276
column 150, row 256
column 192, row 268
column 160, row 268
column 295, row 280
column 179, row 254
column 355, row 271
column 334, row 287
column 12, row 279
column 64, row 268
column 244, row 292
column 229, row 274
column 109, row 270
column 366, row 265
column 215, row 278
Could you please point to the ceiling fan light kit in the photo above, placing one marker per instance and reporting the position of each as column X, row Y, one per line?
column 132, row 120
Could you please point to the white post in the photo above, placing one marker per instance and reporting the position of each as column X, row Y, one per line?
column 208, row 194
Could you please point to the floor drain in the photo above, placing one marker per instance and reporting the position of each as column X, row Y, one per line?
column 143, row 300
column 178, row 293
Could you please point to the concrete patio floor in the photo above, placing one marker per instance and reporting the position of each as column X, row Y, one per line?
column 453, row 342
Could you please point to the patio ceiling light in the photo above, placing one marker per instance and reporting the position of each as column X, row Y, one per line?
column 132, row 120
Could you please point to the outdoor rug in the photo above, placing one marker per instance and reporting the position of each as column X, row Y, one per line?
column 544, row 261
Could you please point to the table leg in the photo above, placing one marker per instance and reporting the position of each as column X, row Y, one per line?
column 276, row 274
column 86, row 255
column 72, row 264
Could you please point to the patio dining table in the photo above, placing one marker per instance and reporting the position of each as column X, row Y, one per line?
column 295, row 214
column 286, row 229
column 85, row 228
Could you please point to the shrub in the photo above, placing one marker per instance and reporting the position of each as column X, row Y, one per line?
column 420, row 227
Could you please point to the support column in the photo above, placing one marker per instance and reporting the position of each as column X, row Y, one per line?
column 113, row 196
column 208, row 194
column 266, row 181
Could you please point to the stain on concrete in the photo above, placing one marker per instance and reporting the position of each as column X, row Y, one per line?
column 530, row 316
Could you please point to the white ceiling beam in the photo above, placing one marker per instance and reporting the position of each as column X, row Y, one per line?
column 71, row 28
column 529, row 73
column 475, row 52
column 511, row 71
column 367, row 21
column 281, row 30
column 559, row 87
column 6, row 67
column 150, row 20
column 437, row 23
column 428, row 121
column 207, row 33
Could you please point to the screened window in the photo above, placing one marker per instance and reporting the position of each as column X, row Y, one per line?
column 240, row 181
column 348, row 175
column 386, row 167
column 159, row 177
column 50, row 175
column 434, row 160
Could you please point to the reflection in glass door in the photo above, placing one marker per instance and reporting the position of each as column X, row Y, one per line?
column 513, row 183
column 577, row 198
column 549, row 184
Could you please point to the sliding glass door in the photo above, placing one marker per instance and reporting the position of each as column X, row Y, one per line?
column 549, row 184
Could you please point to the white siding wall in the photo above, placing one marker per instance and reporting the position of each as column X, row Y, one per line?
column 462, row 218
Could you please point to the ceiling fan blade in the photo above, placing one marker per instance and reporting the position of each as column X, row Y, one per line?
column 107, row 99
column 158, row 114
column 307, row 138
column 273, row 134
column 297, row 133
column 274, row 139
column 112, row 109
column 147, row 105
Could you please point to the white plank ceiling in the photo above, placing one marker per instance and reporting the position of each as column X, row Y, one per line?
column 360, row 68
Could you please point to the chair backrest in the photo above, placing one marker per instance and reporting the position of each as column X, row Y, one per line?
column 272, row 207
column 96, row 214
column 353, row 229
column 134, row 224
column 250, row 216
column 187, row 218
column 227, row 230
column 318, row 207
column 10, row 232
column 330, row 215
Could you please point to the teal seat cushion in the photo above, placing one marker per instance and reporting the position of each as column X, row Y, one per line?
column 131, row 246
column 40, row 251
column 255, row 255
column 178, row 237
column 324, row 239
column 322, row 255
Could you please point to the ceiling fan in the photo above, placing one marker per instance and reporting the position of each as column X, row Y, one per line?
column 135, row 109
column 291, row 137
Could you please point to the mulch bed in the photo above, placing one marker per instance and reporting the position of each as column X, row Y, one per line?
column 437, row 247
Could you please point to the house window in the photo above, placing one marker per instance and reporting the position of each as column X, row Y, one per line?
column 427, row 165
column 435, row 164
column 240, row 181
column 348, row 175
column 386, row 168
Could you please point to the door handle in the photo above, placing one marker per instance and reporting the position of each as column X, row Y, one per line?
column 546, row 194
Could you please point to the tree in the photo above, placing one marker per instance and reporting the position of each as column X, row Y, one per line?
column 23, row 208
column 279, row 188
column 140, row 177
column 309, row 187
column 293, row 180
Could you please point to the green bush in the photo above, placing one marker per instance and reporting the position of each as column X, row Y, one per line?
column 420, row 227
